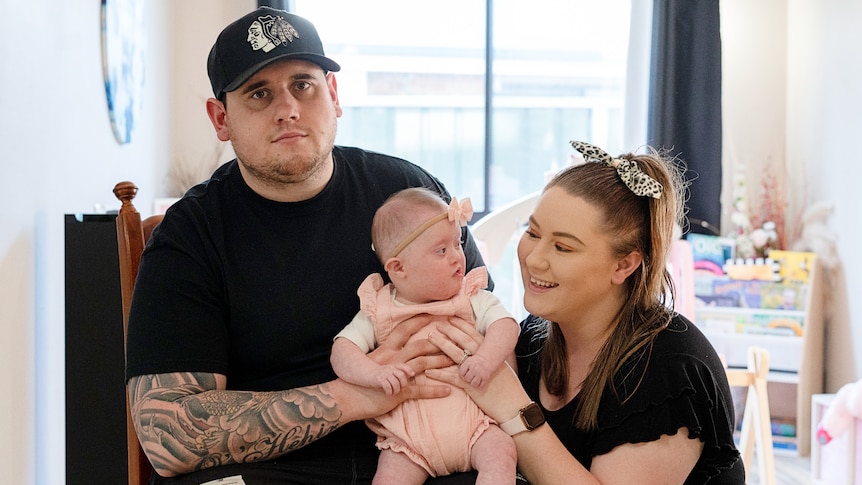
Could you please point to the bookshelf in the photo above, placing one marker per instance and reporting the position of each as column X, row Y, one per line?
column 795, row 347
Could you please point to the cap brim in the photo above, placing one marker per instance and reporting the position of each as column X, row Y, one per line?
column 324, row 62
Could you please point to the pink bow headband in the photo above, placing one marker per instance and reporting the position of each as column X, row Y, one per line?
column 458, row 212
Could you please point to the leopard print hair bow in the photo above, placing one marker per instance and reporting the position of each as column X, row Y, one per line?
column 635, row 179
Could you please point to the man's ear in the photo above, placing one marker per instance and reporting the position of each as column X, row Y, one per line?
column 626, row 266
column 217, row 114
column 332, row 84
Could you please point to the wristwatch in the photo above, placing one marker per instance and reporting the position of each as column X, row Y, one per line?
column 529, row 418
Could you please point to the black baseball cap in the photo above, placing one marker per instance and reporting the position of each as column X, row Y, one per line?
column 257, row 39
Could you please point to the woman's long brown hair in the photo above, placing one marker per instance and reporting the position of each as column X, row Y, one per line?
column 634, row 223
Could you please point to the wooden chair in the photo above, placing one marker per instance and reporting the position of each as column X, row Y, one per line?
column 756, row 423
column 132, row 234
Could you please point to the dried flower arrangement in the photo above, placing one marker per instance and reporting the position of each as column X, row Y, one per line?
column 186, row 172
column 758, row 231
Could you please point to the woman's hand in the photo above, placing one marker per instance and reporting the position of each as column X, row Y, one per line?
column 502, row 397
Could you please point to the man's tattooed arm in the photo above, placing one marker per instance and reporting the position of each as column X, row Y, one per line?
column 187, row 421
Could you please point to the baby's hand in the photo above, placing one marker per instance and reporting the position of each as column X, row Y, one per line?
column 392, row 378
column 476, row 370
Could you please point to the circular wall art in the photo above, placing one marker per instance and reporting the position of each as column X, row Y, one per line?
column 123, row 39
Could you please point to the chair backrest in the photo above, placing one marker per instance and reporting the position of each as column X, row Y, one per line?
column 502, row 226
column 132, row 235
column 497, row 235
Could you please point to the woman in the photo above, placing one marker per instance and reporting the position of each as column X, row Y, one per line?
column 632, row 392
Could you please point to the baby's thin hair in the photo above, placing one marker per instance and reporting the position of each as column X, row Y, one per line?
column 399, row 215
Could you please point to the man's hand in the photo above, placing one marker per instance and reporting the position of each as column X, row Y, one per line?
column 358, row 402
column 420, row 354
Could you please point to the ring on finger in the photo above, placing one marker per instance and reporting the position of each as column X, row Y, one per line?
column 464, row 356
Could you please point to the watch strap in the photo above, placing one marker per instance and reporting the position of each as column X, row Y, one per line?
column 514, row 425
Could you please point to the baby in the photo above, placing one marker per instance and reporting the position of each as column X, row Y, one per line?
column 418, row 240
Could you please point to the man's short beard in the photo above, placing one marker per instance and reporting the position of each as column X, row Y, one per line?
column 277, row 174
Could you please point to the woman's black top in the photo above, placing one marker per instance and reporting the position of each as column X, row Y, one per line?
column 676, row 382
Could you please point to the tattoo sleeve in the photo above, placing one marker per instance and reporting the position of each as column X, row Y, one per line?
column 185, row 423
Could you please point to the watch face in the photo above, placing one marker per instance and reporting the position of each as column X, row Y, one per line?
column 533, row 416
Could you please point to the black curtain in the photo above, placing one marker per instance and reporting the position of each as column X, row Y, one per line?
column 685, row 99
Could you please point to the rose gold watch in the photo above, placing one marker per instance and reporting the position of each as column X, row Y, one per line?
column 529, row 418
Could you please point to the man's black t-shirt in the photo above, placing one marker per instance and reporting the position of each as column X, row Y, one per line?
column 236, row 284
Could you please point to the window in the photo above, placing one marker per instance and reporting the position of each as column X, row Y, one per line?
column 414, row 81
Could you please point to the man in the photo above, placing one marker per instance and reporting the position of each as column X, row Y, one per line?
column 249, row 277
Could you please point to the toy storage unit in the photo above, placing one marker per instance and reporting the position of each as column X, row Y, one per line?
column 840, row 461
column 795, row 360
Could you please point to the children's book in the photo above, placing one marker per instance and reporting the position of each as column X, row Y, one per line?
column 753, row 269
column 710, row 252
column 794, row 266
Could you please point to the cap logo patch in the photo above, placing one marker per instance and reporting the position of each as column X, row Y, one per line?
column 267, row 32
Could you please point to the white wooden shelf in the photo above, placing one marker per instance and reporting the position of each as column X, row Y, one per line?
column 794, row 359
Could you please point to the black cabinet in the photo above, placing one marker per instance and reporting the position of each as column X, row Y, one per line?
column 95, row 384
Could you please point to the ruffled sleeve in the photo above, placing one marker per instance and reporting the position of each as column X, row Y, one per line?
column 476, row 279
column 368, row 295
column 684, row 386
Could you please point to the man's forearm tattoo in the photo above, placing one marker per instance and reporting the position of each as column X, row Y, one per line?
column 183, row 423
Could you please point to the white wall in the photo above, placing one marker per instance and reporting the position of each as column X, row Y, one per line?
column 59, row 157
column 754, row 73
column 791, row 76
column 824, row 128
